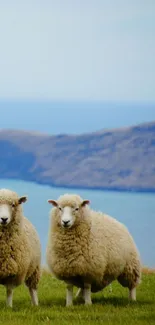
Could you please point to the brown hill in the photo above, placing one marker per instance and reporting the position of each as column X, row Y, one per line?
column 121, row 159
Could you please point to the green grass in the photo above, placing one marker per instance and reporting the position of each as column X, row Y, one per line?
column 107, row 308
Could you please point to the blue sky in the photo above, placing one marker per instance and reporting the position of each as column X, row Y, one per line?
column 72, row 117
column 77, row 50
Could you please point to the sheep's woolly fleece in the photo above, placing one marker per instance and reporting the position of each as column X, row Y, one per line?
column 20, row 252
column 97, row 249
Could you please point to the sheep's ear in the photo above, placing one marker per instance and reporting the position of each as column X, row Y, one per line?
column 22, row 199
column 85, row 202
column 53, row 202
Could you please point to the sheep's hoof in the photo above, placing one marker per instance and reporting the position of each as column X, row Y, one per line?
column 69, row 304
column 9, row 306
column 88, row 303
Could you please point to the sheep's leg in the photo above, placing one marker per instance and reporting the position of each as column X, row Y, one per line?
column 34, row 296
column 132, row 294
column 9, row 296
column 80, row 293
column 69, row 295
column 87, row 294
column 32, row 284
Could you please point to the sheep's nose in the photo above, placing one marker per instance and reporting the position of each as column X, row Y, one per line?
column 65, row 223
column 4, row 220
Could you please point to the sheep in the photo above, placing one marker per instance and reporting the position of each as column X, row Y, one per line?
column 20, row 250
column 89, row 249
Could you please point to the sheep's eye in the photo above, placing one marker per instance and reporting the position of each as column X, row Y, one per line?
column 76, row 209
column 60, row 208
column 13, row 205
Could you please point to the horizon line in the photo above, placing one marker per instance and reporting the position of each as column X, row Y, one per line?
column 78, row 100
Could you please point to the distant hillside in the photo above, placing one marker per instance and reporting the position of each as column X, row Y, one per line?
column 119, row 159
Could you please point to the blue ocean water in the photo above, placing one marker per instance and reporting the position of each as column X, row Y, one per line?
column 135, row 210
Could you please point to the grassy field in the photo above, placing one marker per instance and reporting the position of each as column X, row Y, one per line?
column 107, row 308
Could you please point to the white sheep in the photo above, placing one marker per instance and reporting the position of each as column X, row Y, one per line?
column 89, row 249
column 20, row 251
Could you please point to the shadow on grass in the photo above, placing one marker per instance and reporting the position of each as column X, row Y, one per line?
column 57, row 302
column 25, row 304
column 120, row 301
column 112, row 301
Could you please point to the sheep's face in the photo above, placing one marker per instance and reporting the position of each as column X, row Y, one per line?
column 8, row 209
column 68, row 215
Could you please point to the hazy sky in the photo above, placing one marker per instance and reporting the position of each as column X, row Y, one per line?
column 56, row 118
column 77, row 49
